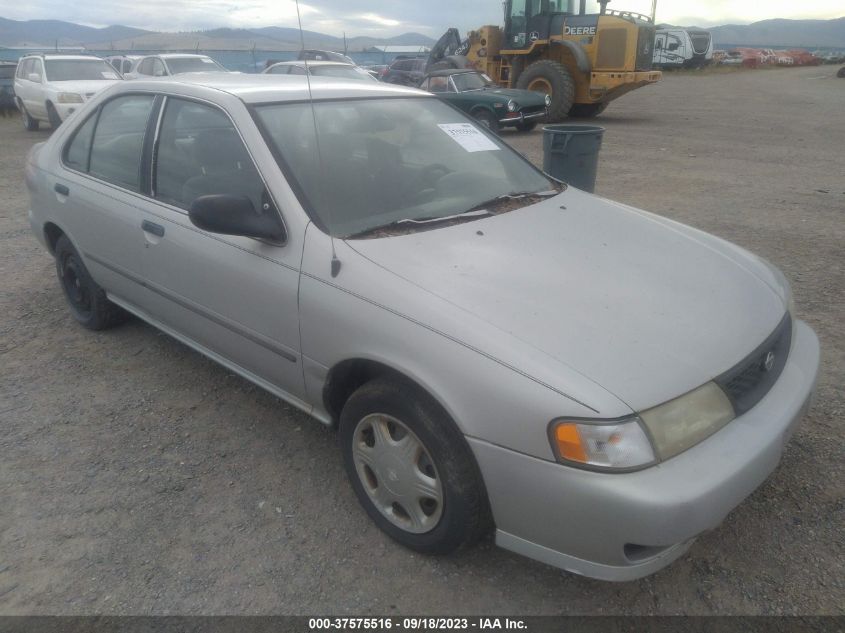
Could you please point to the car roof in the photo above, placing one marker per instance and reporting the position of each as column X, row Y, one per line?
column 261, row 88
column 447, row 72
column 312, row 62
column 60, row 56
column 179, row 55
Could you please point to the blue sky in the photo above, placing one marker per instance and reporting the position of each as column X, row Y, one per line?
column 380, row 17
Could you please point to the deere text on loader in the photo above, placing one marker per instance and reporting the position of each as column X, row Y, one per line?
column 582, row 60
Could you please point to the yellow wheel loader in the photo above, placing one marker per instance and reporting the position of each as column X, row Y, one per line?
column 582, row 59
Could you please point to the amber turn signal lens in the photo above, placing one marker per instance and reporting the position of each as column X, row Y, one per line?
column 569, row 443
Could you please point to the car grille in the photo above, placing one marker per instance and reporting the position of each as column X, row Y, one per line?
column 533, row 109
column 749, row 382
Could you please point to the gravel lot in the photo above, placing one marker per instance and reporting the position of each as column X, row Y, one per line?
column 138, row 477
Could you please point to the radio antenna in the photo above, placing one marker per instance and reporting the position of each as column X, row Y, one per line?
column 335, row 266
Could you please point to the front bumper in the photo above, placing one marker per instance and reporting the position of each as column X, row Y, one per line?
column 522, row 118
column 606, row 86
column 625, row 526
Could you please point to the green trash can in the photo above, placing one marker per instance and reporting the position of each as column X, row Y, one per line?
column 571, row 153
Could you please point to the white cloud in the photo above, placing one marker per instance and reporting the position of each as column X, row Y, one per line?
column 379, row 17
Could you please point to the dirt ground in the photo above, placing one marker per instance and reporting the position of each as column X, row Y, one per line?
column 138, row 477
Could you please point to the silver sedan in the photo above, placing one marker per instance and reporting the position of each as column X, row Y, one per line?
column 498, row 351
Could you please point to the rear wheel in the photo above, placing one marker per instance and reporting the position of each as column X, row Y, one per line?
column 487, row 119
column 30, row 124
column 55, row 120
column 88, row 302
column 587, row 110
column 553, row 79
column 411, row 468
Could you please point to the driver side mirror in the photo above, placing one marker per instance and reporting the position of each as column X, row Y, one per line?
column 235, row 215
column 35, row 77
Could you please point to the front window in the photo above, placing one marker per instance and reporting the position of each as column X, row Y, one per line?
column 179, row 65
column 472, row 81
column 376, row 162
column 79, row 70
column 343, row 71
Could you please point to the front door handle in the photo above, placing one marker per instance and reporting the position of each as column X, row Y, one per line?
column 61, row 189
column 153, row 228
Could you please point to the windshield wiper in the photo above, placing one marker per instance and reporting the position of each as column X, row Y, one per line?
column 478, row 211
column 444, row 218
column 517, row 195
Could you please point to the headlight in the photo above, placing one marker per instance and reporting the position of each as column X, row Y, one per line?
column 619, row 445
column 657, row 434
column 512, row 106
column 683, row 422
column 69, row 97
column 548, row 101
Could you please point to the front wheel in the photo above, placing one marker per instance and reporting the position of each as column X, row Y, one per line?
column 487, row 119
column 55, row 120
column 411, row 468
column 29, row 124
column 554, row 80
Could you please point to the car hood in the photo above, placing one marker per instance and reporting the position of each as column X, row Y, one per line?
column 84, row 87
column 647, row 308
column 522, row 97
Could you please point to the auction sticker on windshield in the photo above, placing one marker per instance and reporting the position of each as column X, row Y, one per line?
column 468, row 136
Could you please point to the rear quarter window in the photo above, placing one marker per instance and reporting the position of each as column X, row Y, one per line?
column 78, row 150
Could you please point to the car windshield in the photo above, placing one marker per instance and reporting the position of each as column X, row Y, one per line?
column 382, row 161
column 79, row 70
column 471, row 81
column 193, row 65
column 341, row 70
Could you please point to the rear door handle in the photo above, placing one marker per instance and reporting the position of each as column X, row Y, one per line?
column 61, row 189
column 153, row 228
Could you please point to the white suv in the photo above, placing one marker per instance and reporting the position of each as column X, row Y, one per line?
column 50, row 87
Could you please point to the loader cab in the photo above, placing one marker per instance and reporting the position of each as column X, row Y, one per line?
column 527, row 21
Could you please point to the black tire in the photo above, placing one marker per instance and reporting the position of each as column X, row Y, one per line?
column 464, row 516
column 587, row 110
column 527, row 126
column 88, row 302
column 55, row 120
column 487, row 119
column 841, row 73
column 557, row 82
column 29, row 124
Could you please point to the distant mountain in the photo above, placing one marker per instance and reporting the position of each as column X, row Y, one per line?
column 783, row 33
column 15, row 34
column 46, row 33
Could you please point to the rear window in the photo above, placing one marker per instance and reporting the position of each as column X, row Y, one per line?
column 193, row 65
column 79, row 70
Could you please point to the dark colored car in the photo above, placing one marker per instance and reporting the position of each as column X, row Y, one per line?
column 478, row 95
column 406, row 71
column 7, row 87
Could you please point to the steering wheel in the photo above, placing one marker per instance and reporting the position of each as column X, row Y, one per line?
column 432, row 173
column 424, row 186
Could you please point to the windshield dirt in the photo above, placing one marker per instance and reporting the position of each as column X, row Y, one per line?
column 79, row 70
column 377, row 162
